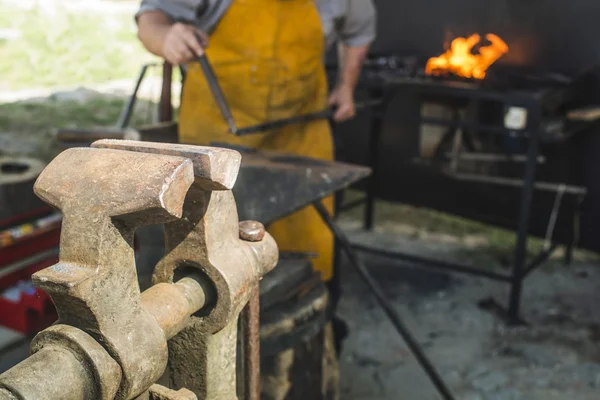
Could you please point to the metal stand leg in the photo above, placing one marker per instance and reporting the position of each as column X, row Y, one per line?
column 374, row 143
column 127, row 112
column 165, row 108
column 518, row 272
column 569, row 254
column 384, row 302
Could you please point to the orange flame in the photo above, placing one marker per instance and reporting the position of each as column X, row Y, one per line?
column 460, row 60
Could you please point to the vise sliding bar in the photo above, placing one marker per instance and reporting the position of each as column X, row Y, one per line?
column 219, row 97
column 67, row 363
column 111, row 341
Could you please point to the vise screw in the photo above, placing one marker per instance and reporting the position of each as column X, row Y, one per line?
column 110, row 340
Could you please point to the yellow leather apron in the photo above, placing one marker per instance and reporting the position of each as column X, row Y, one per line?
column 268, row 58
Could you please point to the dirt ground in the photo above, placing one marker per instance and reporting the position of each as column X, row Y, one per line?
column 554, row 356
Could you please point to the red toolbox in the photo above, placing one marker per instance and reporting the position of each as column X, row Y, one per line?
column 27, row 244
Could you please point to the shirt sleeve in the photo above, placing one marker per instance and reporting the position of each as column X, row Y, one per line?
column 178, row 10
column 359, row 24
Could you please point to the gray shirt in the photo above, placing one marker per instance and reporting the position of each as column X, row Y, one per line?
column 353, row 22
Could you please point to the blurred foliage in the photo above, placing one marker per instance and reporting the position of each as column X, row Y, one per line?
column 59, row 45
column 26, row 128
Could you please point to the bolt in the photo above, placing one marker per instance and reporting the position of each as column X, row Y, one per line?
column 252, row 231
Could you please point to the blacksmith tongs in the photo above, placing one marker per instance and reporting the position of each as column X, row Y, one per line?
column 219, row 97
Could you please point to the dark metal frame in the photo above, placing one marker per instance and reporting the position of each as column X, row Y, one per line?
column 533, row 102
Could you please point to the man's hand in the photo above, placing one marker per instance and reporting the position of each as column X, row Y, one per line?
column 183, row 43
column 343, row 98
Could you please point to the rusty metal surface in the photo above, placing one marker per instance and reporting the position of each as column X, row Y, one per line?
column 214, row 168
column 207, row 240
column 251, row 350
column 165, row 132
column 111, row 340
column 273, row 185
column 252, row 231
column 66, row 363
column 158, row 392
column 104, row 196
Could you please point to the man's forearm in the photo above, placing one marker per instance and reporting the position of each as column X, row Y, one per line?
column 352, row 60
column 153, row 27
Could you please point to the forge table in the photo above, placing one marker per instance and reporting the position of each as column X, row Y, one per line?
column 528, row 103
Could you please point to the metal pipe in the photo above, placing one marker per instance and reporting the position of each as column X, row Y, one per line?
column 172, row 304
column 518, row 271
column 298, row 119
column 217, row 92
column 128, row 110
column 539, row 259
column 542, row 186
column 491, row 157
column 385, row 303
column 52, row 373
column 375, row 133
column 251, row 350
column 165, row 108
column 434, row 264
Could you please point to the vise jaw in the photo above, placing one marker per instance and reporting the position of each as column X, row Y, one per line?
column 111, row 341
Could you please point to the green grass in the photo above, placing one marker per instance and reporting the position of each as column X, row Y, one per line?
column 67, row 48
column 494, row 242
column 26, row 128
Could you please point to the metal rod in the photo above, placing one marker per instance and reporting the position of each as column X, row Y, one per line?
column 217, row 92
column 251, row 350
column 127, row 112
column 24, row 263
column 471, row 125
column 539, row 259
column 165, row 108
column 374, row 149
column 491, row 157
column 434, row 264
column 542, row 186
column 298, row 119
column 219, row 97
column 297, row 255
column 385, row 303
column 518, row 271
column 568, row 254
column 353, row 204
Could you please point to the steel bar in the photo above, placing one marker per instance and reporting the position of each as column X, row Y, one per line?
column 542, row 186
column 385, row 303
column 543, row 256
column 518, row 271
column 376, row 130
column 219, row 97
column 251, row 351
column 491, row 157
column 217, row 92
column 9, row 269
column 353, row 204
column 471, row 125
column 319, row 115
column 297, row 255
column 128, row 110
column 165, row 108
column 434, row 264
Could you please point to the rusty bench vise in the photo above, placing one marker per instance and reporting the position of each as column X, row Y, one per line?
column 111, row 341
